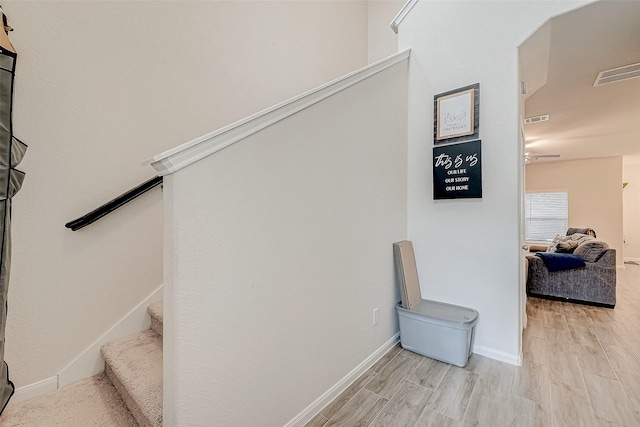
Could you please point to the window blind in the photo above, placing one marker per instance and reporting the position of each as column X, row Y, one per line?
column 546, row 215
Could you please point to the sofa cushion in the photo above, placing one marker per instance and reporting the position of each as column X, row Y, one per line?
column 591, row 250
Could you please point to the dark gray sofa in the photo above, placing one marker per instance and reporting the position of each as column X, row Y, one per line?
column 594, row 284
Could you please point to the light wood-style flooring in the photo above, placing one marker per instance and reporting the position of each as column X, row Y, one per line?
column 581, row 367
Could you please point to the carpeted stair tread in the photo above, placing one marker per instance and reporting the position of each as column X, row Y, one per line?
column 134, row 365
column 93, row 401
column 155, row 311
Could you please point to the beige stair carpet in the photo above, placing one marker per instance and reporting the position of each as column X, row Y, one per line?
column 128, row 393
column 90, row 402
column 134, row 366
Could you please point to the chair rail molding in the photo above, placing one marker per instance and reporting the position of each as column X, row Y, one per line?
column 402, row 14
column 183, row 155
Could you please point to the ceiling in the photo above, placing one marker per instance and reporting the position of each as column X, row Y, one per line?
column 559, row 65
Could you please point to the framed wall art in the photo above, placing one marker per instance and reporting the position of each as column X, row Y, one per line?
column 457, row 171
column 457, row 115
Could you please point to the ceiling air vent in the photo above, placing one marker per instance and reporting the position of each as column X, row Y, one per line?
column 536, row 119
column 617, row 74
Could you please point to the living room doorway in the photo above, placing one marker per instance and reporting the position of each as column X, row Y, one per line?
column 580, row 102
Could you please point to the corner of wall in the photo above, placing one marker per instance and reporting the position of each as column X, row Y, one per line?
column 512, row 359
column 90, row 361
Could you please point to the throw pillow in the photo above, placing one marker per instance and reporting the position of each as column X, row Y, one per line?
column 553, row 246
column 591, row 250
column 567, row 247
column 583, row 230
column 567, row 244
column 579, row 237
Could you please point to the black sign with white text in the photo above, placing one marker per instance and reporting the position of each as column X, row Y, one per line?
column 457, row 171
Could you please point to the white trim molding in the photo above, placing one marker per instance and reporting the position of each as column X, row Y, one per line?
column 179, row 157
column 35, row 389
column 312, row 410
column 402, row 14
column 492, row 353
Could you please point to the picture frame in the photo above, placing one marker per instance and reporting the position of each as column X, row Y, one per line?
column 457, row 115
column 457, row 171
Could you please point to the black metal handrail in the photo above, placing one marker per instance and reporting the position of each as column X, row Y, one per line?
column 114, row 204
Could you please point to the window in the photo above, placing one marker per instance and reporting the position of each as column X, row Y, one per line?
column 546, row 215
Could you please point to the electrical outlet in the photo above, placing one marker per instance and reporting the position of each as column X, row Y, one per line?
column 376, row 316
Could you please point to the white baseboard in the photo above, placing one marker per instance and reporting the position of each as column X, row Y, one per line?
column 498, row 355
column 312, row 410
column 35, row 389
column 631, row 259
column 90, row 361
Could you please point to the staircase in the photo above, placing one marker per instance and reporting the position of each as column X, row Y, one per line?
column 127, row 394
column 134, row 366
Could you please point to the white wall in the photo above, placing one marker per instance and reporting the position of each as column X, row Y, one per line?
column 102, row 86
column 594, row 187
column 383, row 41
column 468, row 251
column 631, row 202
column 276, row 266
